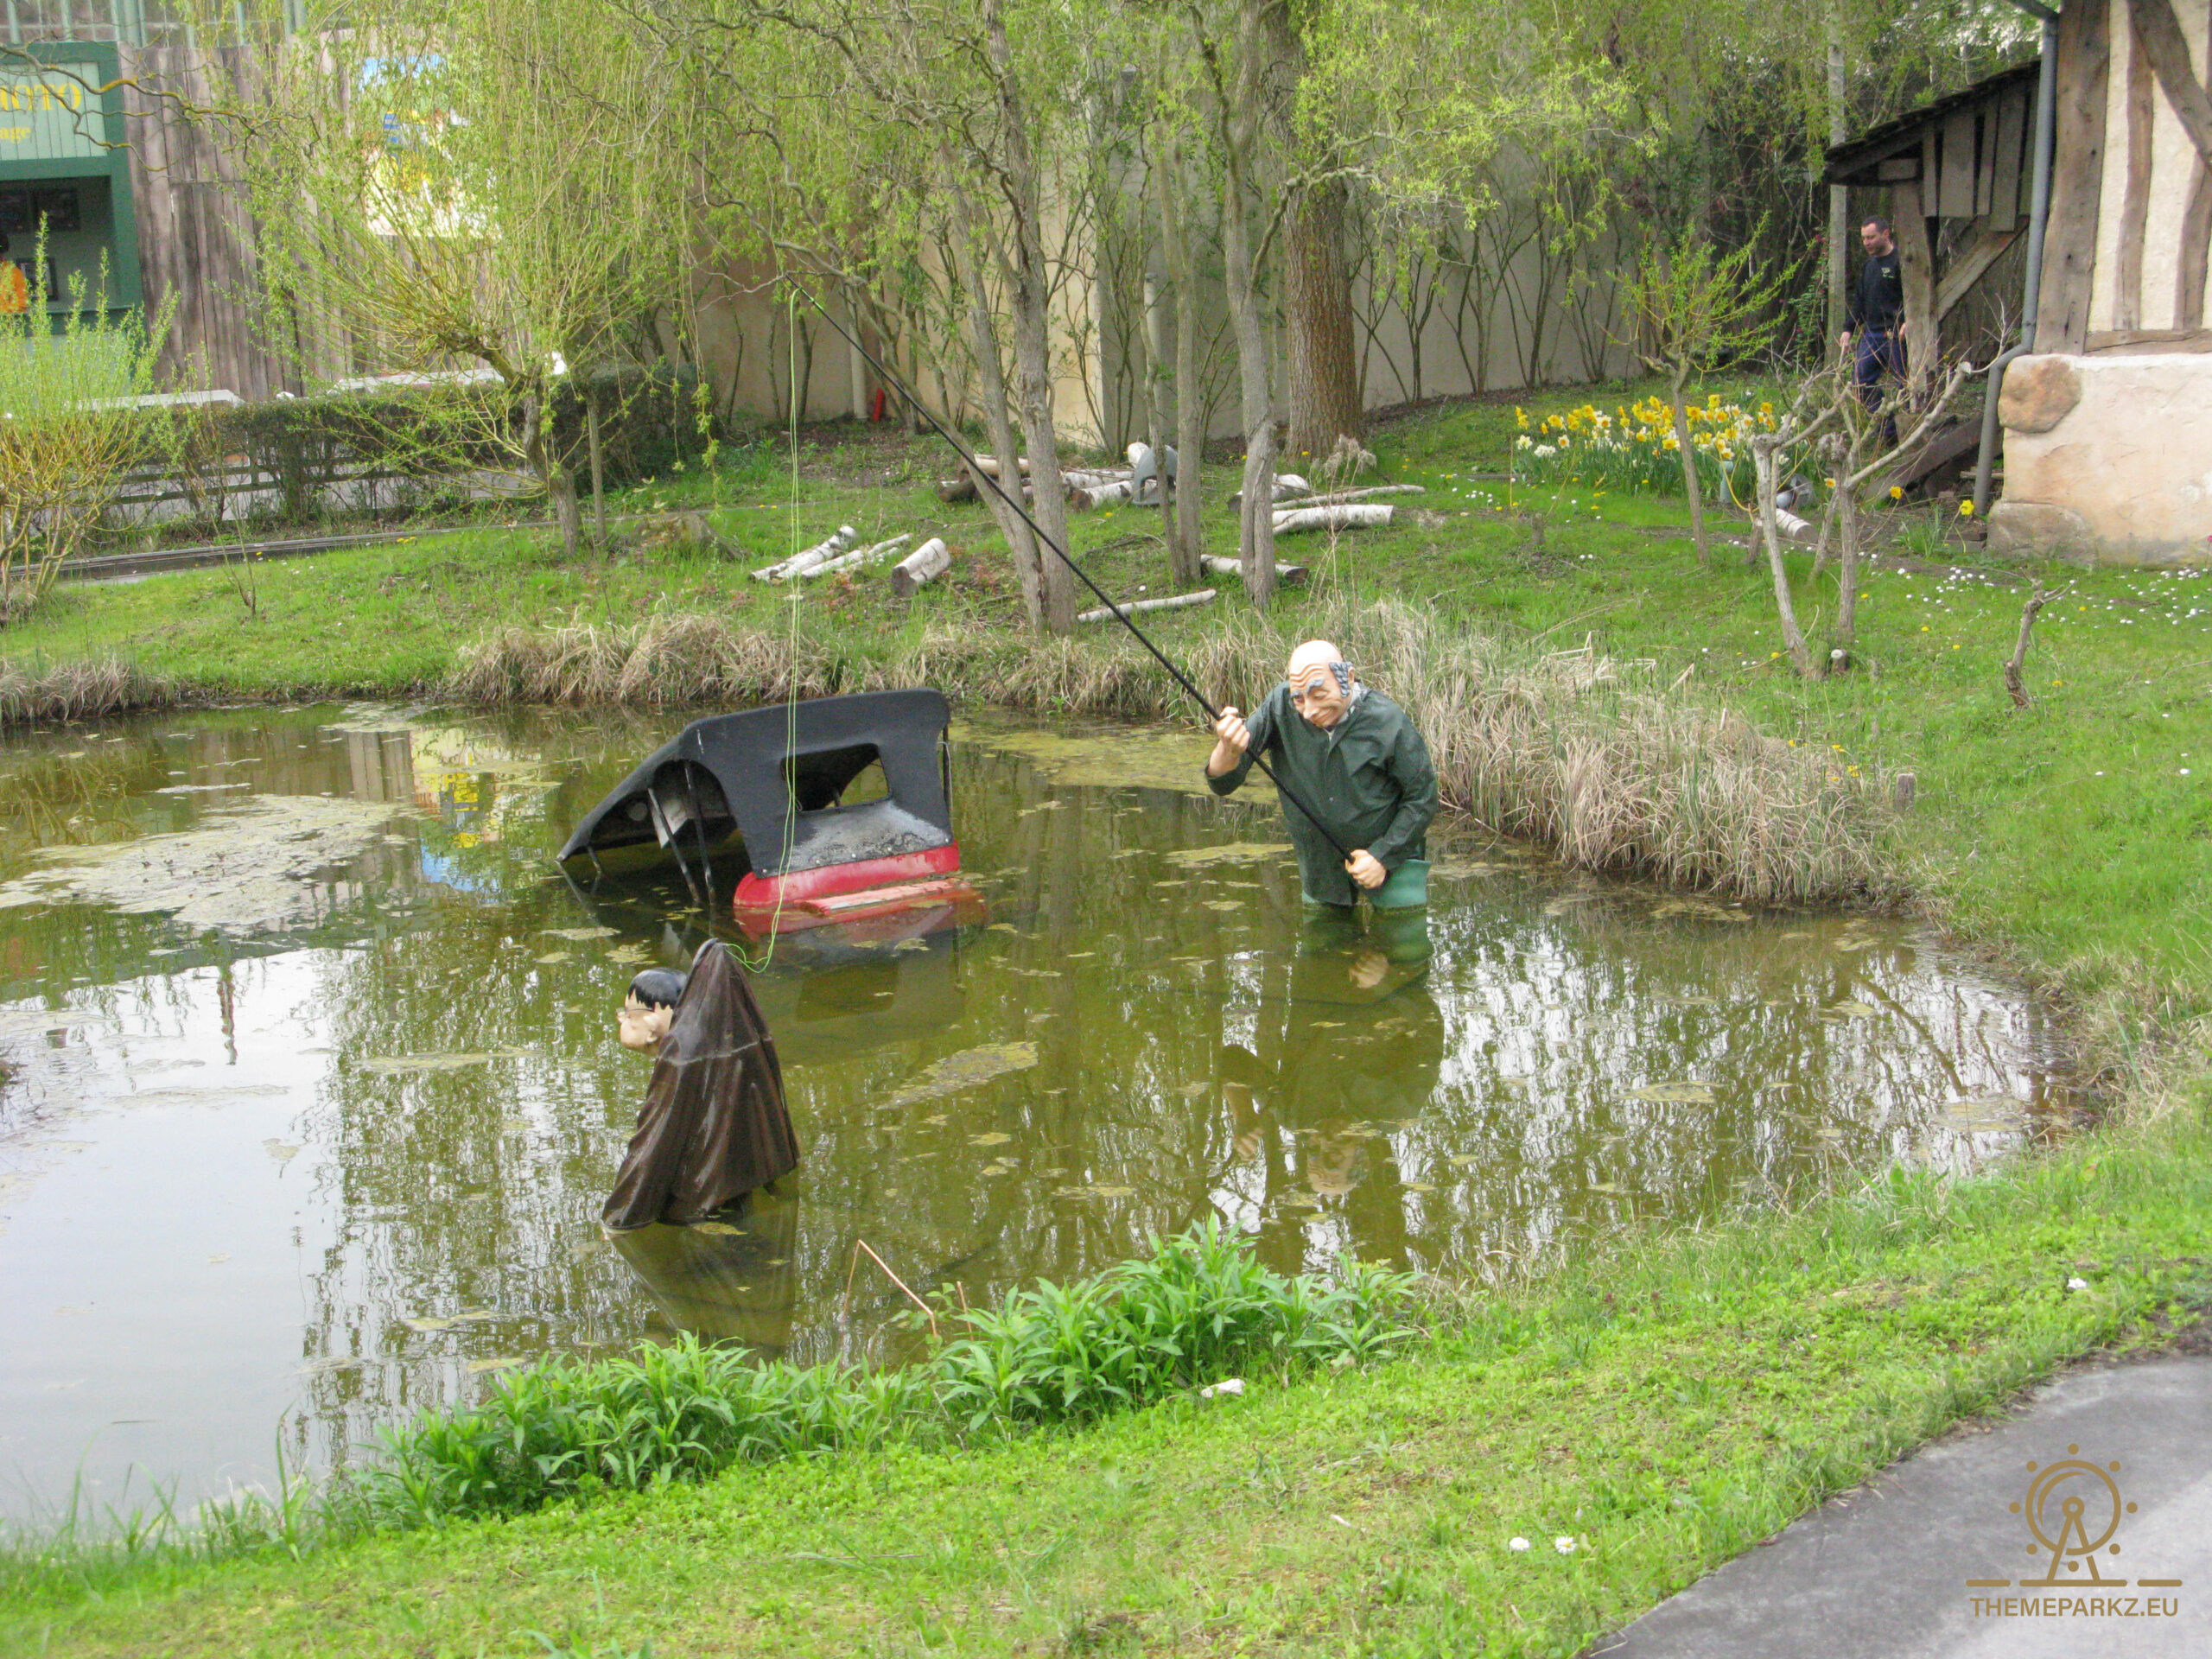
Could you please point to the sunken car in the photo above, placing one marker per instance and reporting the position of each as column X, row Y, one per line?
column 833, row 810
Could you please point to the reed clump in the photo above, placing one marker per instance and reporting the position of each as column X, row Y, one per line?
column 40, row 694
column 1197, row 1309
column 1589, row 754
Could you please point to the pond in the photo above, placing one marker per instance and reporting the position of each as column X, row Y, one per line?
column 309, row 1089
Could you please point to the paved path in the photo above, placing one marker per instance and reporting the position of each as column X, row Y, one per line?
column 1883, row 1572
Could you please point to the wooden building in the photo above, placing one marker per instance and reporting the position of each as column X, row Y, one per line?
column 2108, row 422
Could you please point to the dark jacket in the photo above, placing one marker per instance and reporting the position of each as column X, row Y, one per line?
column 1369, row 777
column 1877, row 300
column 713, row 1126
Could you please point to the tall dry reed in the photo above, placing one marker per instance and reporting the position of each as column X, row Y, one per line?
column 39, row 694
column 1590, row 755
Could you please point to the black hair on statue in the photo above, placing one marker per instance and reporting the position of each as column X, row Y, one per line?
column 659, row 987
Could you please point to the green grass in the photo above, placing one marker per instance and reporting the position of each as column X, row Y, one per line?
column 1669, row 1406
column 1664, row 1408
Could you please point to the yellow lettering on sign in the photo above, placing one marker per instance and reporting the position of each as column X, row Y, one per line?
column 65, row 96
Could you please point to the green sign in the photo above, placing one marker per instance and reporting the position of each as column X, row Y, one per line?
column 52, row 115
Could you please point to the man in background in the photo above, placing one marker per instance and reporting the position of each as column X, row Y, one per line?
column 1876, row 316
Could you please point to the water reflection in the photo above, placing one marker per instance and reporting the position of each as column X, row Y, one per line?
column 341, row 1155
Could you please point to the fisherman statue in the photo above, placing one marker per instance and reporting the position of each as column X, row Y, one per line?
column 714, row 1126
column 1350, row 757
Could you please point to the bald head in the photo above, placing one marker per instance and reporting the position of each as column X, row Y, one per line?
column 1320, row 691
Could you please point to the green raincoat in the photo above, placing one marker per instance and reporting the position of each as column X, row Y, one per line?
column 1368, row 776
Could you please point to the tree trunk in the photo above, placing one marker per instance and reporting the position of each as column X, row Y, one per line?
column 1323, row 383
column 1839, row 272
column 1689, row 470
column 598, row 464
column 990, row 373
column 552, row 473
column 1793, row 638
column 1031, row 283
column 1255, row 537
column 1240, row 130
column 1846, row 615
column 1185, row 542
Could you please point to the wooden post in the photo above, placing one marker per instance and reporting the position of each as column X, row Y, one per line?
column 1917, row 266
column 2069, row 245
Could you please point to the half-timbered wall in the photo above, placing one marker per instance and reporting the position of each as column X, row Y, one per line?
column 2153, row 246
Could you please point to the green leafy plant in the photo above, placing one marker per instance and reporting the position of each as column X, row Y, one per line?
column 71, row 429
column 1196, row 1309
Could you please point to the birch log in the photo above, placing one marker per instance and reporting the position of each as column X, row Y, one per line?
column 857, row 557
column 921, row 567
column 1286, row 576
column 1336, row 498
column 1286, row 484
column 1173, row 603
column 1358, row 515
column 990, row 464
column 844, row 538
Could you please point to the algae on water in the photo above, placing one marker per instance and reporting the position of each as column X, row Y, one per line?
column 964, row 1071
column 249, row 869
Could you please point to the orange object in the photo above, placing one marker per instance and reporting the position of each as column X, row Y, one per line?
column 15, row 292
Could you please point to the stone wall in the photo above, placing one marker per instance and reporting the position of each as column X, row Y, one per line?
column 2108, row 457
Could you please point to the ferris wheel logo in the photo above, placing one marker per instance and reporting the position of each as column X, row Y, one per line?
column 2073, row 1508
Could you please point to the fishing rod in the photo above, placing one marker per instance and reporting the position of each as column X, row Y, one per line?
column 975, row 471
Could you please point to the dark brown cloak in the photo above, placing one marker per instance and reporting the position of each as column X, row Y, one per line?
column 713, row 1126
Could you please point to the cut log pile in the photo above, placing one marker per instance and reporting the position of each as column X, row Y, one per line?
column 859, row 557
column 799, row 564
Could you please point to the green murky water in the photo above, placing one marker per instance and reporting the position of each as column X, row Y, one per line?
column 312, row 1090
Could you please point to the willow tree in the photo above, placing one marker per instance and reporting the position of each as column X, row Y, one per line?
column 477, row 186
column 925, row 139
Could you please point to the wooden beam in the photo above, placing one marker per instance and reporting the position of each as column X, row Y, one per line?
column 2135, row 202
column 1897, row 168
column 1985, row 160
column 2155, row 340
column 1955, row 197
column 2005, row 206
column 2069, row 249
column 1967, row 266
column 1921, row 342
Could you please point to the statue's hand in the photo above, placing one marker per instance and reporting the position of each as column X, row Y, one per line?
column 1230, row 729
column 1366, row 869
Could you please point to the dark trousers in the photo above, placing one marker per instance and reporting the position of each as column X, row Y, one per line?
column 1877, row 354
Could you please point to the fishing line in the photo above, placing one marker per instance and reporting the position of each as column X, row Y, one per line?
column 976, row 472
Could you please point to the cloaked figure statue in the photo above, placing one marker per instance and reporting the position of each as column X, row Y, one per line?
column 713, row 1126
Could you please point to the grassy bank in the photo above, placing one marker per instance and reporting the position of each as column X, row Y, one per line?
column 1661, row 1410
